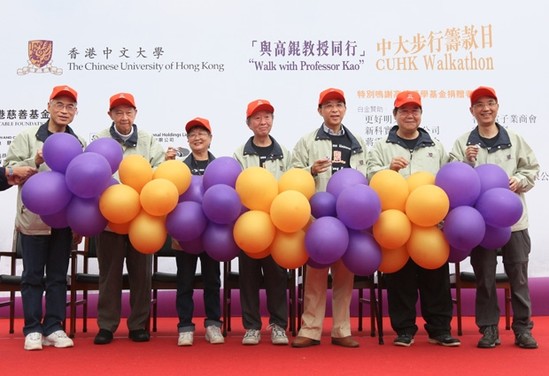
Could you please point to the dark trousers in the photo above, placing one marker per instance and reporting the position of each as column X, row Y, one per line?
column 49, row 254
column 432, row 287
column 186, row 269
column 252, row 272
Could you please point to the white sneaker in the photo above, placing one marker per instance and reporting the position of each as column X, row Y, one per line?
column 33, row 341
column 185, row 339
column 251, row 337
column 278, row 335
column 213, row 335
column 58, row 339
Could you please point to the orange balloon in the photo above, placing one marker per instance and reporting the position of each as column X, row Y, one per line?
column 257, row 188
column 297, row 179
column 392, row 229
column 253, row 231
column 428, row 247
column 419, row 178
column 120, row 228
column 119, row 203
column 392, row 260
column 427, row 205
column 147, row 233
column 288, row 250
column 175, row 171
column 391, row 188
column 290, row 211
column 135, row 171
column 159, row 197
column 260, row 255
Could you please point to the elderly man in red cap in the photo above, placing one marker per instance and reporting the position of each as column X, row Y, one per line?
column 323, row 152
column 489, row 142
column 407, row 139
column 43, row 247
column 113, row 248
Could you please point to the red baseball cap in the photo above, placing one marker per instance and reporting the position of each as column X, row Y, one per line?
column 330, row 94
column 63, row 90
column 406, row 97
column 259, row 105
column 198, row 122
column 121, row 99
column 482, row 91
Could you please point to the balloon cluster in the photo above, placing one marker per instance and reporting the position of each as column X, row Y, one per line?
column 344, row 214
column 277, row 214
column 407, row 227
column 140, row 205
column 482, row 207
column 68, row 195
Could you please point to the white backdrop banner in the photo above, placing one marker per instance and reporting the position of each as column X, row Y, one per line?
column 209, row 58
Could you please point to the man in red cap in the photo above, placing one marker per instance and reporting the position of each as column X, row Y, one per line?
column 407, row 139
column 489, row 142
column 264, row 151
column 323, row 152
column 43, row 247
column 113, row 248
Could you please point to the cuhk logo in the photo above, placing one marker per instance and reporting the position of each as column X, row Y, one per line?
column 39, row 54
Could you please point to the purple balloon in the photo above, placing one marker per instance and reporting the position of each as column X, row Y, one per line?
column 458, row 255
column 358, row 207
column 88, row 175
column 84, row 216
column 195, row 192
column 56, row 220
column 495, row 237
column 326, row 240
column 219, row 243
column 323, row 204
column 221, row 204
column 346, row 177
column 59, row 149
column 313, row 264
column 46, row 193
column 187, row 221
column 193, row 247
column 363, row 254
column 491, row 176
column 222, row 170
column 464, row 227
column 500, row 207
column 108, row 148
column 460, row 182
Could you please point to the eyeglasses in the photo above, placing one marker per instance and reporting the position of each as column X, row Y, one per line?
column 331, row 106
column 59, row 106
column 480, row 105
column 409, row 111
column 197, row 134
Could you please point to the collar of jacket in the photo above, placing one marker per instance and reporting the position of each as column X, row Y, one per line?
column 503, row 141
column 424, row 139
column 275, row 154
column 355, row 145
column 42, row 134
column 130, row 142
column 190, row 161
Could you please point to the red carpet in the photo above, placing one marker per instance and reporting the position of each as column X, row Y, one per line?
column 161, row 356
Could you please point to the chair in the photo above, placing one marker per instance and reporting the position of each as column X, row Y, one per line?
column 162, row 280
column 231, row 281
column 11, row 282
column 360, row 284
column 466, row 280
column 83, row 279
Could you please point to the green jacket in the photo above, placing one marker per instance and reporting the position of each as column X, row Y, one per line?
column 277, row 163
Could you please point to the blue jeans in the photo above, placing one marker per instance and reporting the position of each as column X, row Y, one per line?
column 186, row 268
column 49, row 253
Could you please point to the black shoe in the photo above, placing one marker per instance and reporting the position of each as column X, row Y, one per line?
column 139, row 335
column 103, row 337
column 490, row 338
column 525, row 341
column 405, row 340
column 445, row 340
